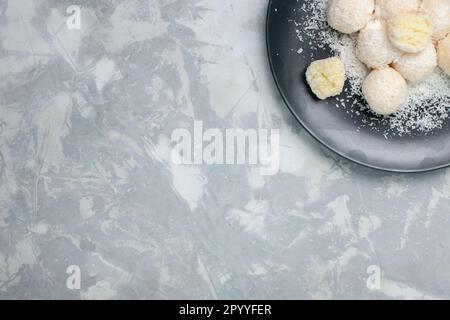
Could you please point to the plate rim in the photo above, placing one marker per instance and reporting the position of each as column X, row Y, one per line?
column 311, row 132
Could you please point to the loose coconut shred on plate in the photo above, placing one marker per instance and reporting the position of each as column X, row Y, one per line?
column 428, row 104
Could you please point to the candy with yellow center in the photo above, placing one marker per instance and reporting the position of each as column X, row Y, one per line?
column 326, row 77
column 410, row 32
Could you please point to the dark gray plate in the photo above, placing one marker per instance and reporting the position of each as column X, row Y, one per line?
column 340, row 131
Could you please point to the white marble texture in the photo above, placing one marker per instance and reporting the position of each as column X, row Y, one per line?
column 86, row 178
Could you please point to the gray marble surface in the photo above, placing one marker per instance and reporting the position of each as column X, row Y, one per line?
column 86, row 179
